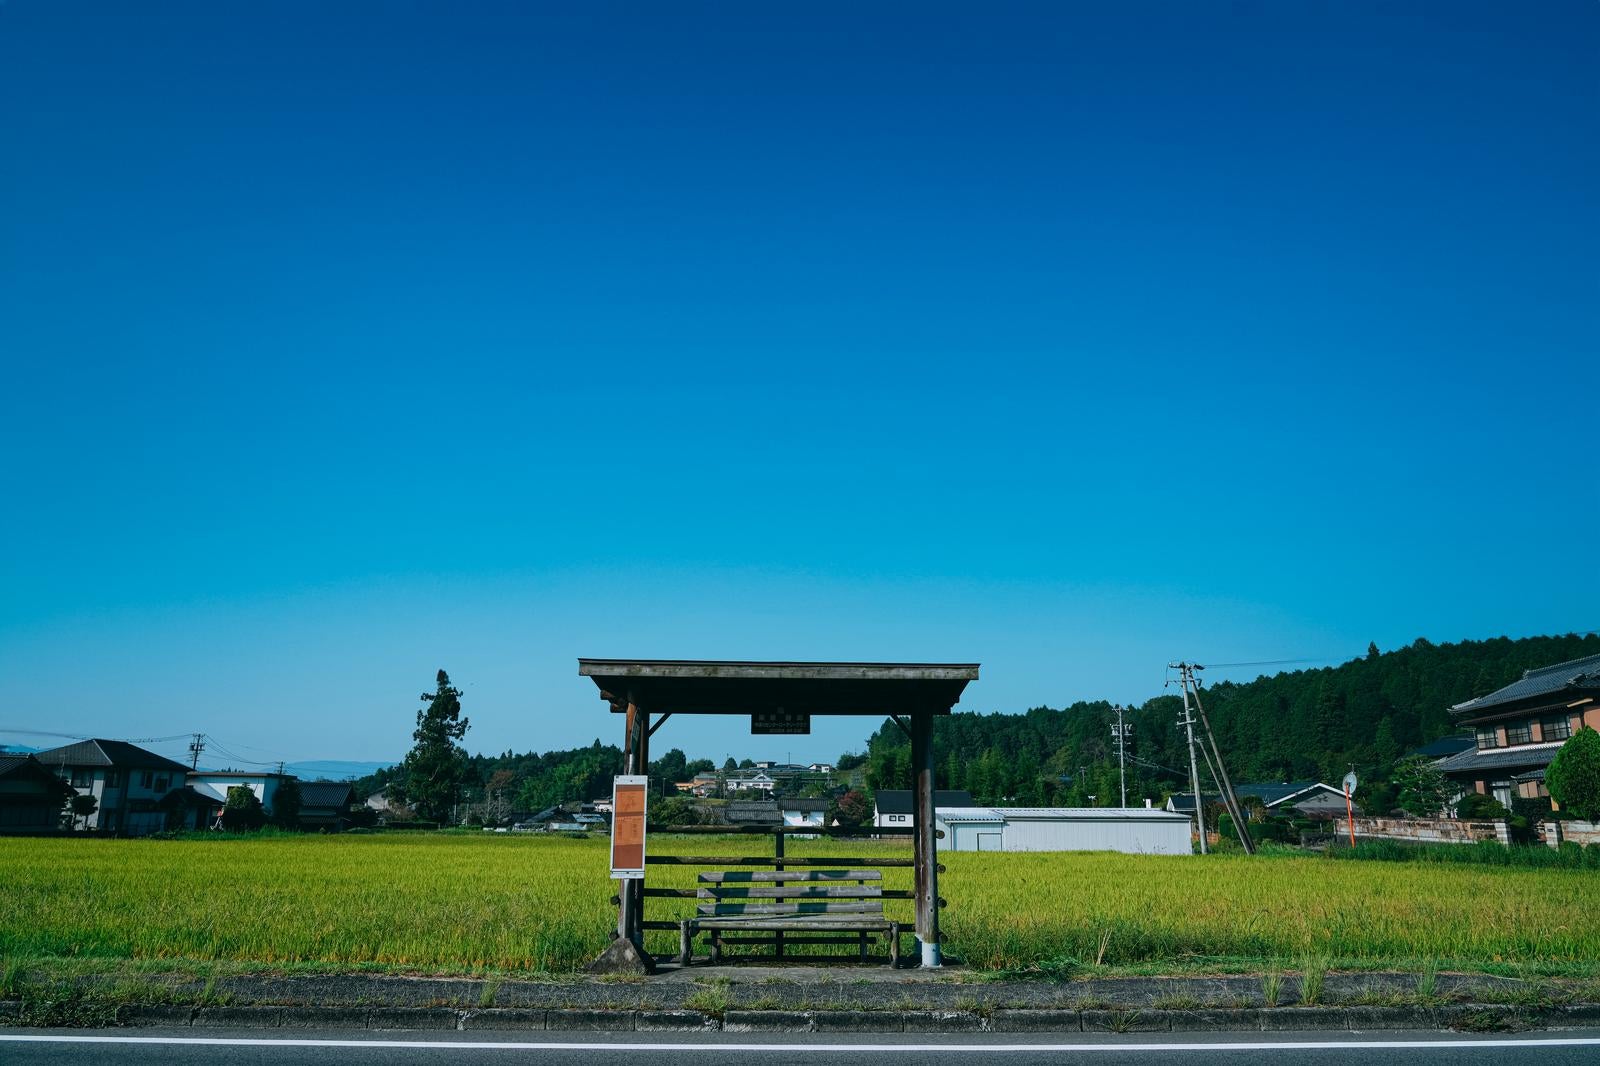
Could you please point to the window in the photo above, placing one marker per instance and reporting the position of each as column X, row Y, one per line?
column 113, row 778
column 1520, row 733
column 1557, row 728
column 1488, row 737
column 82, row 777
column 161, row 784
column 146, row 778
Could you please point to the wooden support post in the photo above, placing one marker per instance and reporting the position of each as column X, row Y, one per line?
column 925, row 853
column 642, row 748
column 777, row 854
column 630, row 911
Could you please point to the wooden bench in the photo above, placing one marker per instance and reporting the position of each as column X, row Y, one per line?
column 832, row 906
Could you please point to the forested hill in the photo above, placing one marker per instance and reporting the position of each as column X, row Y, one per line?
column 1292, row 726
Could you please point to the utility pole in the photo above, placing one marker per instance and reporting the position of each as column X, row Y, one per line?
column 196, row 746
column 1219, row 772
column 1194, row 772
column 1119, row 731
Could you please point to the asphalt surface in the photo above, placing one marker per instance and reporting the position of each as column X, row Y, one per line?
column 22, row 1047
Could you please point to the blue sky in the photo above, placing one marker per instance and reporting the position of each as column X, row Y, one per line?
column 343, row 346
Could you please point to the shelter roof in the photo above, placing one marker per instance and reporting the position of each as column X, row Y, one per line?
column 898, row 800
column 670, row 686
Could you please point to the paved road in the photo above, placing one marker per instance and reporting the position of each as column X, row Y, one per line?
column 149, row 1047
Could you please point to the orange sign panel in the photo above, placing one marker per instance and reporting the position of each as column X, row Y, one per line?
column 628, row 806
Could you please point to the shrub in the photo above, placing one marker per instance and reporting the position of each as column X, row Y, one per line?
column 1573, row 776
column 242, row 810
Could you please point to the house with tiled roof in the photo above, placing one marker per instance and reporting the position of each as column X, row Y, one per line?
column 326, row 804
column 1519, row 729
column 127, row 782
column 31, row 796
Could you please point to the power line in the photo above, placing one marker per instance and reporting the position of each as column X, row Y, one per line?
column 89, row 736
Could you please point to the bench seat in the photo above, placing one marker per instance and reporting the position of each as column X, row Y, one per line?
column 783, row 902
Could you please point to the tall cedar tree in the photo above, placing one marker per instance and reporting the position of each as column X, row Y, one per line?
column 436, row 766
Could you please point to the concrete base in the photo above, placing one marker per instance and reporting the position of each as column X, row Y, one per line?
column 623, row 956
column 930, row 955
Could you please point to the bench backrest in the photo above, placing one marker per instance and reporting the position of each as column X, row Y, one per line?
column 757, row 893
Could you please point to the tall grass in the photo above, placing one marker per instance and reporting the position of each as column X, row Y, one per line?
column 543, row 904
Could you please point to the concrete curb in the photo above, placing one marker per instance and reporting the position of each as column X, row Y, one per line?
column 1470, row 1017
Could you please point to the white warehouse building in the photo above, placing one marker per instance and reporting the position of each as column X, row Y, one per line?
column 1134, row 830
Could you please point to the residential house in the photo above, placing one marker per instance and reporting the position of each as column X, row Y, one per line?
column 31, row 795
column 215, row 783
column 892, row 807
column 752, row 812
column 191, row 808
column 1519, row 729
column 127, row 782
column 326, row 804
column 759, row 781
column 803, row 812
column 821, row 767
column 1304, row 799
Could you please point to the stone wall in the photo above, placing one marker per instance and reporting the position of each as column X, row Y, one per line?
column 1431, row 830
column 1578, row 832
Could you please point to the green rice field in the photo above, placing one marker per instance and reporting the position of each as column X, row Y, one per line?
column 448, row 902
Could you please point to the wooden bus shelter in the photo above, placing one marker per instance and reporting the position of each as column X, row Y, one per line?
column 778, row 698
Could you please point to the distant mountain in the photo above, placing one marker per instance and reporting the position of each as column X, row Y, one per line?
column 17, row 749
column 335, row 769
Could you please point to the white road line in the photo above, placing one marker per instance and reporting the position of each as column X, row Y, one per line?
column 551, row 1045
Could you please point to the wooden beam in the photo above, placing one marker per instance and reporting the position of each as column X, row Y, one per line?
column 659, row 723
column 895, row 718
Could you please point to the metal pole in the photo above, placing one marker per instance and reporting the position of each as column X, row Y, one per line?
column 1194, row 772
column 1220, row 772
column 926, row 854
column 1122, row 756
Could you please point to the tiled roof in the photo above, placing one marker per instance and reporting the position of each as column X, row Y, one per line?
column 1449, row 745
column 754, row 813
column 115, row 753
column 1574, row 677
column 1531, row 756
column 326, row 794
column 898, row 801
column 1273, row 793
column 24, row 766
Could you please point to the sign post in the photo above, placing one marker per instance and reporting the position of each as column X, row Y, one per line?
column 628, row 803
column 1349, row 808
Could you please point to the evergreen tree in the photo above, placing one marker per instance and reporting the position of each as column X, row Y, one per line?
column 286, row 804
column 436, row 766
column 1573, row 776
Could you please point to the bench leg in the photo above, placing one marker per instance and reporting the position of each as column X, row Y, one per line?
column 894, row 945
column 716, row 946
column 863, row 937
column 685, row 943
